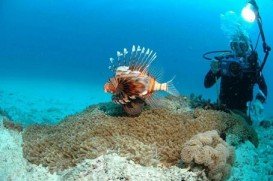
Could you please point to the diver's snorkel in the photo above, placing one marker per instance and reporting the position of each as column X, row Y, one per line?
column 251, row 13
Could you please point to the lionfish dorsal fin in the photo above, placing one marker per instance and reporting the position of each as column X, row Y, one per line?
column 112, row 66
column 142, row 59
column 125, row 52
column 139, row 59
column 119, row 55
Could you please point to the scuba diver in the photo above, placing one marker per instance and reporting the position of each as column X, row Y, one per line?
column 239, row 71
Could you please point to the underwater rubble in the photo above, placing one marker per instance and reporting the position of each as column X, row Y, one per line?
column 154, row 139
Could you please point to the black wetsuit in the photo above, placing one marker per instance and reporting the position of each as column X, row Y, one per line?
column 235, row 92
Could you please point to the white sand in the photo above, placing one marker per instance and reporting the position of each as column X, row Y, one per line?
column 12, row 164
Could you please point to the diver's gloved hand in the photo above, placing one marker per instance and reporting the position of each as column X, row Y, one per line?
column 214, row 66
column 258, row 109
column 261, row 97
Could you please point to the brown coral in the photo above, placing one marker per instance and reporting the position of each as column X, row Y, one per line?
column 11, row 125
column 155, row 137
column 210, row 152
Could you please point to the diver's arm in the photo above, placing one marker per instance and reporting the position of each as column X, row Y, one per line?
column 211, row 78
column 263, row 87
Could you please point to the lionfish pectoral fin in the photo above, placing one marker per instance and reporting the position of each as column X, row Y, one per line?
column 171, row 89
column 154, row 100
column 156, row 73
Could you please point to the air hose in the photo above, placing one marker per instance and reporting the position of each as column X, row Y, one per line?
column 205, row 55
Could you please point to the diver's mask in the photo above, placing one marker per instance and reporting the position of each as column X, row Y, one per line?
column 239, row 47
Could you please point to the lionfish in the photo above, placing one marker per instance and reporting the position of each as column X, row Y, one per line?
column 133, row 85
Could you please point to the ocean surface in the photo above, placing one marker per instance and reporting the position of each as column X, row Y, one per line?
column 54, row 55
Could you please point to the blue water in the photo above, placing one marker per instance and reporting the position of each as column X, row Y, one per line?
column 71, row 40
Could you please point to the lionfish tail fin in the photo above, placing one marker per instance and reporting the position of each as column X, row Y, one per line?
column 171, row 89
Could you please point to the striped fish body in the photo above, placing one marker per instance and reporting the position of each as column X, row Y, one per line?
column 132, row 84
column 136, row 83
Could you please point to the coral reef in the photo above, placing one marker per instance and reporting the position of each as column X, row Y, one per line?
column 197, row 101
column 177, row 105
column 242, row 133
column 208, row 151
column 11, row 125
column 107, row 167
column 152, row 139
column 266, row 123
column 255, row 163
column 8, row 122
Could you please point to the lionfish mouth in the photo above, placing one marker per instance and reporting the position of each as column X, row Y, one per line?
column 108, row 91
